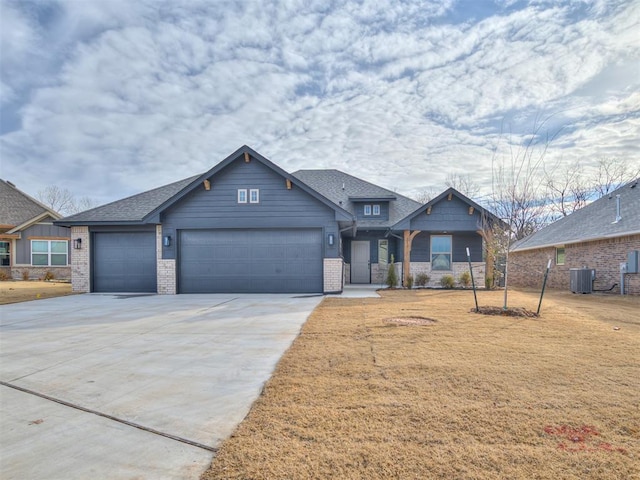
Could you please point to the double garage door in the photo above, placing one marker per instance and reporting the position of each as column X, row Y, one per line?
column 213, row 261
column 250, row 261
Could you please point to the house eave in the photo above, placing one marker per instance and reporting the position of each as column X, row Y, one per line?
column 575, row 241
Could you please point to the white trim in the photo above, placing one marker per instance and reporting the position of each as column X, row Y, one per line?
column 257, row 192
column 367, row 208
column 374, row 208
column 450, row 253
column 49, row 253
column 240, row 192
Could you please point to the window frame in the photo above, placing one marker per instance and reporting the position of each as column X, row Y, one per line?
column 376, row 210
column 564, row 255
column 448, row 253
column 367, row 210
column 242, row 195
column 6, row 255
column 50, row 254
column 257, row 192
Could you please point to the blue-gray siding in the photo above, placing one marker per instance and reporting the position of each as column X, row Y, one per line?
column 250, row 261
column 124, row 262
column 372, row 237
column 384, row 211
column 39, row 230
column 421, row 247
column 447, row 215
column 279, row 208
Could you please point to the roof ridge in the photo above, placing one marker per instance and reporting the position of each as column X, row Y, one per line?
column 31, row 199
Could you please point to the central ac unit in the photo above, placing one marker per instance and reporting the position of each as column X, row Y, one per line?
column 582, row 280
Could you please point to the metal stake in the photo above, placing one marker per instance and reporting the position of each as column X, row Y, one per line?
column 544, row 284
column 473, row 282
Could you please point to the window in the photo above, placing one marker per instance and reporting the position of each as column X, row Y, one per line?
column 5, row 259
column 254, row 195
column 367, row 210
column 242, row 195
column 560, row 256
column 49, row 252
column 376, row 209
column 440, row 252
column 383, row 253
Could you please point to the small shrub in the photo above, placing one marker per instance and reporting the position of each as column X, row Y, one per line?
column 392, row 277
column 25, row 275
column 4, row 276
column 409, row 282
column 464, row 279
column 447, row 281
column 422, row 279
column 49, row 276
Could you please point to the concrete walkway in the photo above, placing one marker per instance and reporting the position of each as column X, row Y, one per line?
column 149, row 385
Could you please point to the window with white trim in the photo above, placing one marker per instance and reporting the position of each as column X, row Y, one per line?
column 367, row 210
column 440, row 252
column 49, row 253
column 560, row 256
column 254, row 195
column 5, row 259
column 376, row 210
column 242, row 195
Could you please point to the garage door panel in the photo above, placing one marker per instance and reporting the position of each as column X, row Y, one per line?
column 124, row 262
column 250, row 261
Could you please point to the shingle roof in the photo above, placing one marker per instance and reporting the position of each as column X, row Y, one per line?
column 342, row 188
column 131, row 209
column 595, row 221
column 17, row 207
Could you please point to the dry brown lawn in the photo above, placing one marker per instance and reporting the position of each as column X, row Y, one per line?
column 18, row 291
column 465, row 397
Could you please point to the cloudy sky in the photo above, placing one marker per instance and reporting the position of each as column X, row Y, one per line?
column 112, row 97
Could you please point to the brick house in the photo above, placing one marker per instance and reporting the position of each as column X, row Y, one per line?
column 599, row 236
column 31, row 246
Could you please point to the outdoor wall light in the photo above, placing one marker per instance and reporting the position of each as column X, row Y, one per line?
column 77, row 243
column 331, row 238
column 166, row 241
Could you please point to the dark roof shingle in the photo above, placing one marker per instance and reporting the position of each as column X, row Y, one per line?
column 342, row 189
column 17, row 207
column 595, row 221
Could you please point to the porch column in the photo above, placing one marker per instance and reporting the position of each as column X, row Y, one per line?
column 406, row 262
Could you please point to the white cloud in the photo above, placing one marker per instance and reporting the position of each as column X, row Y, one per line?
column 140, row 94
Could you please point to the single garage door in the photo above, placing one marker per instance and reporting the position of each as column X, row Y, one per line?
column 250, row 261
column 124, row 262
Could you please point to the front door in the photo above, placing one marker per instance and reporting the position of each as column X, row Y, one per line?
column 360, row 262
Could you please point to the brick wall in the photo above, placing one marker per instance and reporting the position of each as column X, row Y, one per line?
column 80, row 264
column 165, row 268
column 333, row 275
column 21, row 272
column 526, row 269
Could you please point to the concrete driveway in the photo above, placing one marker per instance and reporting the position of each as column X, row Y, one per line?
column 108, row 386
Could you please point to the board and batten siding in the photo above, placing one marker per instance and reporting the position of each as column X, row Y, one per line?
column 421, row 247
column 42, row 231
column 218, row 208
column 448, row 215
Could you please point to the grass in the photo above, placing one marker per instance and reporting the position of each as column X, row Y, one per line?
column 468, row 396
column 21, row 291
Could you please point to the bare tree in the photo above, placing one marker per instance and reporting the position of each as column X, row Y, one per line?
column 567, row 190
column 517, row 193
column 425, row 195
column 612, row 173
column 464, row 184
column 61, row 200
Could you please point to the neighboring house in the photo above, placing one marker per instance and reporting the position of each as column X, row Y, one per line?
column 599, row 236
column 246, row 225
column 31, row 246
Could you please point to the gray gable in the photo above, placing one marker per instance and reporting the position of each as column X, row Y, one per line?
column 595, row 221
column 131, row 209
column 346, row 191
column 17, row 207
